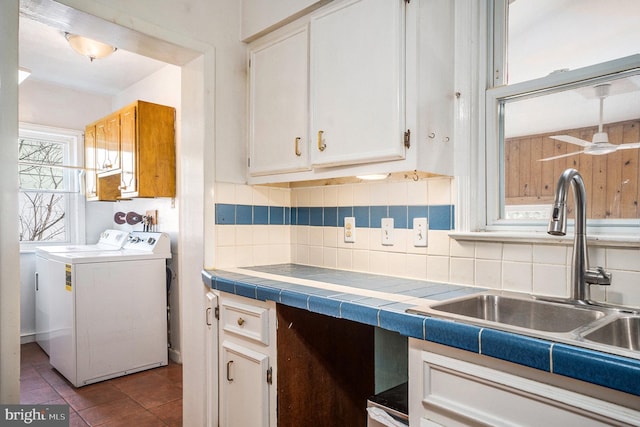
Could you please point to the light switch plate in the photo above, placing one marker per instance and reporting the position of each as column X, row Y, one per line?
column 420, row 232
column 349, row 229
column 387, row 231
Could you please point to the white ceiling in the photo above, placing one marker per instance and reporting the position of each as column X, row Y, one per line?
column 45, row 52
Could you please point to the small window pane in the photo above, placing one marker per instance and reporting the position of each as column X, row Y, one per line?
column 42, row 216
column 593, row 127
column 553, row 35
column 32, row 154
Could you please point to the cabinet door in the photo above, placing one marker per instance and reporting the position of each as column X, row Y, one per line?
column 128, row 149
column 211, row 357
column 91, row 189
column 108, row 143
column 244, row 390
column 357, row 82
column 278, row 105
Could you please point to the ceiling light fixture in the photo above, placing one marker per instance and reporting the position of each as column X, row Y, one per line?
column 23, row 73
column 89, row 48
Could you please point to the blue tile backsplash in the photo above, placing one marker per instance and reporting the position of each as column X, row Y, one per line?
column 440, row 216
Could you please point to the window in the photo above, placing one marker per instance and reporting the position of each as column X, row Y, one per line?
column 51, row 208
column 565, row 93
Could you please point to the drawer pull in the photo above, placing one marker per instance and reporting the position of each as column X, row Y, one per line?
column 229, row 371
column 240, row 321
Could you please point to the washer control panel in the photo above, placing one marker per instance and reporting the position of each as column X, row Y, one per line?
column 147, row 241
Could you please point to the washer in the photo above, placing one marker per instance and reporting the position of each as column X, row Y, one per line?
column 109, row 240
column 109, row 309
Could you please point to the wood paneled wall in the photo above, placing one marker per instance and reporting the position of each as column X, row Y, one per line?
column 611, row 180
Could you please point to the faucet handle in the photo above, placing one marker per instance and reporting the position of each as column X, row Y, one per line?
column 597, row 276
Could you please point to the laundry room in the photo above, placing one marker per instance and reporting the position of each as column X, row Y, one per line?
column 64, row 93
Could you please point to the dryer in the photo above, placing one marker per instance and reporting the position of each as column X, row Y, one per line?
column 109, row 240
column 109, row 310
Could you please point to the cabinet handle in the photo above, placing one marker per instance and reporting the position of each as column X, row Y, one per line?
column 229, row 371
column 297, row 146
column 321, row 144
column 240, row 321
column 36, row 280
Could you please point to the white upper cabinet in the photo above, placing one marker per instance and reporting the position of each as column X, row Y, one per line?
column 357, row 87
column 278, row 104
column 436, row 92
column 357, row 82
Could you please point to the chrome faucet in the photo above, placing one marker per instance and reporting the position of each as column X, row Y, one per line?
column 581, row 275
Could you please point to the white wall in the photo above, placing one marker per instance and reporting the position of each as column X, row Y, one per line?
column 52, row 105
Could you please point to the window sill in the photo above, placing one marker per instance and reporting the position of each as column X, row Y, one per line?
column 621, row 241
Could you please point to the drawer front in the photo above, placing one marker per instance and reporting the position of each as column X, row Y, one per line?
column 245, row 320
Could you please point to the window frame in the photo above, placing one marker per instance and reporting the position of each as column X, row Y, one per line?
column 74, row 219
column 480, row 197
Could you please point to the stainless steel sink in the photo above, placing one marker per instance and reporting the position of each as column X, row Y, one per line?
column 526, row 313
column 623, row 332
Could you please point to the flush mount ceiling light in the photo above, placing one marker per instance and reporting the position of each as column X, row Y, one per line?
column 89, row 48
column 23, row 73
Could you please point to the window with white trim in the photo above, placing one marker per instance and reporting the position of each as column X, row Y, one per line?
column 51, row 206
column 564, row 93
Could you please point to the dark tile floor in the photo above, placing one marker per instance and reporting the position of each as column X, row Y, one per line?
column 149, row 398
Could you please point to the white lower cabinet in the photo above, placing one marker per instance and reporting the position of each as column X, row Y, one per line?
column 247, row 362
column 447, row 391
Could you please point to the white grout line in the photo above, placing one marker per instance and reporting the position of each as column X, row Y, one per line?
column 480, row 341
column 551, row 357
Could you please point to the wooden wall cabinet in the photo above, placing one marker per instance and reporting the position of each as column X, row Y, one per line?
column 131, row 153
column 90, row 179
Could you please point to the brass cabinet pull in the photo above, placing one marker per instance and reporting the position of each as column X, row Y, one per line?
column 321, row 144
column 229, row 371
column 240, row 321
column 297, row 146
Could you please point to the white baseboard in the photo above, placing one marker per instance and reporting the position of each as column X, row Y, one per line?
column 175, row 356
column 27, row 338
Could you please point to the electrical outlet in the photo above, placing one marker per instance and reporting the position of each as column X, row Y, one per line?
column 420, row 232
column 387, row 231
column 349, row 229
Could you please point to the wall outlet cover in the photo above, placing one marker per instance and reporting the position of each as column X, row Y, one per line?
column 349, row 229
column 387, row 231
column 420, row 232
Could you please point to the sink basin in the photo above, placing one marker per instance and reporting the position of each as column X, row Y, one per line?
column 525, row 313
column 622, row 332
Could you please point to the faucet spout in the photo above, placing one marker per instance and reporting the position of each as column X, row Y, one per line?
column 581, row 275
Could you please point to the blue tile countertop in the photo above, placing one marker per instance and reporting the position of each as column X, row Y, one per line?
column 347, row 295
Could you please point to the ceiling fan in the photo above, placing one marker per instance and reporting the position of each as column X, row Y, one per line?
column 600, row 143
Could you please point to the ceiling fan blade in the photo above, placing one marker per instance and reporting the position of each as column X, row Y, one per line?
column 561, row 156
column 571, row 140
column 628, row 146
